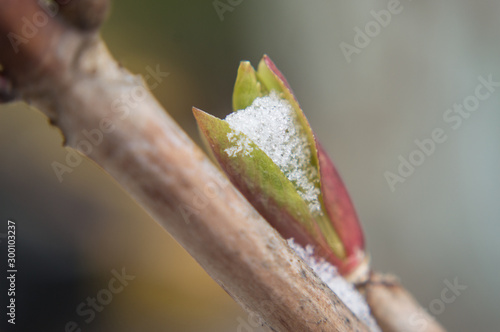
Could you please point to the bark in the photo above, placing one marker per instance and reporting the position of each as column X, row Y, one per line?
column 394, row 308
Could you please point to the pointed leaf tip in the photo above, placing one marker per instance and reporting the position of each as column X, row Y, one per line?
column 246, row 88
column 270, row 64
column 335, row 232
column 201, row 117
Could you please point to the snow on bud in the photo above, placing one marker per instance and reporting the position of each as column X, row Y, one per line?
column 268, row 150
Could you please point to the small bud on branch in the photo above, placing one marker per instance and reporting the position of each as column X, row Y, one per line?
column 269, row 152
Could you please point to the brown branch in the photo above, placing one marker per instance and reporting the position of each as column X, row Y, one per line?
column 394, row 308
column 106, row 113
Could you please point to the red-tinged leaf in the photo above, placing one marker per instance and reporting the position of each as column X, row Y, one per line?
column 262, row 183
column 272, row 79
column 334, row 231
column 341, row 212
column 270, row 64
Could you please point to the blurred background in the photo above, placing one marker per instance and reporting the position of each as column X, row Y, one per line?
column 368, row 98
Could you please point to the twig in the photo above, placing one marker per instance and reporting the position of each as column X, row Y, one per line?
column 394, row 308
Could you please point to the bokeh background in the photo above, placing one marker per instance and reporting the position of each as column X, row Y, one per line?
column 441, row 224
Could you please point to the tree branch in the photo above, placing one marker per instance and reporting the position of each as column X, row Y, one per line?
column 394, row 308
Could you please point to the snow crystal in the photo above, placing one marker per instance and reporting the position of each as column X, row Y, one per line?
column 271, row 123
column 343, row 289
column 242, row 144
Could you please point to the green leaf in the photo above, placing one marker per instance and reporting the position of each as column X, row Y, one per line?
column 260, row 180
column 335, row 230
column 246, row 88
column 272, row 79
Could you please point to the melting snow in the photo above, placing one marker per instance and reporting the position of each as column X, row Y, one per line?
column 271, row 123
column 242, row 144
column 343, row 289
